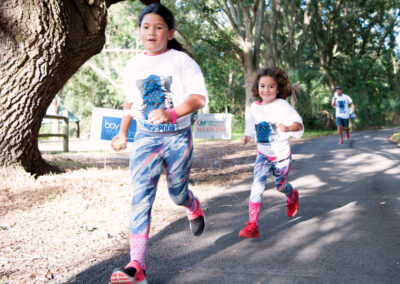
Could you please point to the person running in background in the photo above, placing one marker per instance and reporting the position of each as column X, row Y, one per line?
column 341, row 103
column 163, row 87
column 272, row 121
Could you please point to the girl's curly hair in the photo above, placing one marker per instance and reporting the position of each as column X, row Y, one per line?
column 281, row 78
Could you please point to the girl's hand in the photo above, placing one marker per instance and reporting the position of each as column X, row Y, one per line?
column 245, row 140
column 159, row 116
column 282, row 127
column 118, row 143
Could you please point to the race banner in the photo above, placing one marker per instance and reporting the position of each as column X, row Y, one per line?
column 213, row 126
column 106, row 124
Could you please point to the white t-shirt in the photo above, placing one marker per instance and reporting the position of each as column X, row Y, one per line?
column 162, row 81
column 342, row 105
column 262, row 127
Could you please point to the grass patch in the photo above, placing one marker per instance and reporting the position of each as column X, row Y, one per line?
column 237, row 133
column 395, row 138
column 318, row 133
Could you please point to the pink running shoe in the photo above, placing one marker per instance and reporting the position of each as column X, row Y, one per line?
column 348, row 135
column 197, row 221
column 291, row 208
column 250, row 231
column 341, row 141
column 131, row 274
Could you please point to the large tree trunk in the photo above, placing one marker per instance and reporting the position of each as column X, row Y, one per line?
column 249, row 75
column 42, row 44
column 247, row 22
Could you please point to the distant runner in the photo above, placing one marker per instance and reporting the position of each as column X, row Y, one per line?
column 341, row 103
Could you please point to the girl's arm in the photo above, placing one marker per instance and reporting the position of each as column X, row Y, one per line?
column 292, row 128
column 333, row 102
column 193, row 103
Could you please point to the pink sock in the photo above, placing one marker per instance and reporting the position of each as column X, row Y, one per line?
column 291, row 197
column 138, row 248
column 192, row 208
column 254, row 211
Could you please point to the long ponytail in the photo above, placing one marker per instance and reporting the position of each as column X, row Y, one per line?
column 173, row 43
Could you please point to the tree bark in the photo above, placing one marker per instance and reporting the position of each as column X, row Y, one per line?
column 247, row 22
column 42, row 44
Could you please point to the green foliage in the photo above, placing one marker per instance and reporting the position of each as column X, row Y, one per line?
column 313, row 102
column 238, row 126
column 224, row 81
column 352, row 45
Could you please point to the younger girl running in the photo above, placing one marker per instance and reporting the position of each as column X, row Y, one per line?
column 272, row 121
column 163, row 86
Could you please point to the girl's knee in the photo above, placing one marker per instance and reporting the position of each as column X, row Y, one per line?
column 286, row 188
column 180, row 199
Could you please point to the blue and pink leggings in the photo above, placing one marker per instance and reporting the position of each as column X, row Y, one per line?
column 153, row 154
column 262, row 168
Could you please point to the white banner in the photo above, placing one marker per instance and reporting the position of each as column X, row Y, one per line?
column 106, row 123
column 213, row 126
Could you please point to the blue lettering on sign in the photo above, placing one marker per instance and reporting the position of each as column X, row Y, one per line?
column 111, row 125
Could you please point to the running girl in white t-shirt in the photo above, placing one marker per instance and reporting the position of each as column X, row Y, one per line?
column 163, row 87
column 272, row 121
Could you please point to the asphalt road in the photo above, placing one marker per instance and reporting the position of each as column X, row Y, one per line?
column 347, row 229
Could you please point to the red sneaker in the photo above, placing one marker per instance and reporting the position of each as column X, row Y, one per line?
column 348, row 135
column 250, row 231
column 341, row 141
column 291, row 208
column 131, row 274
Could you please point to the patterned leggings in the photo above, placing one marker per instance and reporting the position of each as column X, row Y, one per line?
column 151, row 154
column 262, row 168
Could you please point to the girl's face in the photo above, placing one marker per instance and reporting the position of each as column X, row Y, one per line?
column 155, row 34
column 267, row 89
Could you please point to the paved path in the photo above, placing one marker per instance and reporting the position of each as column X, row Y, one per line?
column 347, row 229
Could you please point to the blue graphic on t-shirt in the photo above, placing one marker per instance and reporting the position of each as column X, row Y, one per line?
column 264, row 132
column 156, row 93
column 341, row 106
column 153, row 94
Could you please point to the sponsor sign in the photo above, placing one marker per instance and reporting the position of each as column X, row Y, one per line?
column 110, row 127
column 106, row 124
column 213, row 126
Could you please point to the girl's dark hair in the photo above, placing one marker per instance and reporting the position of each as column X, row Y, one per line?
column 168, row 17
column 284, row 86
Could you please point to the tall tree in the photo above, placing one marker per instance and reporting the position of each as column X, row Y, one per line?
column 42, row 44
column 355, row 30
column 246, row 18
column 242, row 39
column 285, row 32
